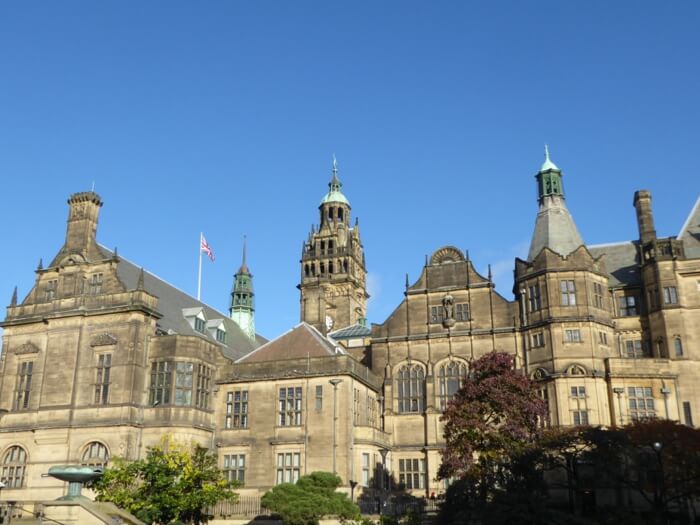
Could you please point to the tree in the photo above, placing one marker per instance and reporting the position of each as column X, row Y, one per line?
column 172, row 483
column 493, row 420
column 310, row 498
column 658, row 460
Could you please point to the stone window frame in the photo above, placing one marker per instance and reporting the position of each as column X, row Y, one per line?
column 237, row 404
column 573, row 336
column 287, row 466
column 95, row 454
column 580, row 417
column 23, row 385
column 534, row 298
column 627, row 305
column 290, row 410
column 412, row 473
column 234, row 467
column 103, row 370
column 670, row 295
column 567, row 292
column 410, row 388
column 13, row 467
column 458, row 371
column 641, row 403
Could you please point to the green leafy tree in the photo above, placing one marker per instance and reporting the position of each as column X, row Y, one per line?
column 171, row 484
column 309, row 499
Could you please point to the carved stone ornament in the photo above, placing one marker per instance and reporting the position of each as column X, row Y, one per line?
column 27, row 348
column 103, row 340
column 448, row 304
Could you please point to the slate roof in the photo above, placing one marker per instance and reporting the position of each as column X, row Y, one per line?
column 554, row 229
column 690, row 232
column 621, row 261
column 172, row 302
column 302, row 341
column 350, row 332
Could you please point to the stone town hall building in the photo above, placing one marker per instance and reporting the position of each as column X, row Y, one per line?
column 101, row 358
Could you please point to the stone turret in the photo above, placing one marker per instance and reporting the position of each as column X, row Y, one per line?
column 333, row 275
column 242, row 309
column 81, row 230
column 554, row 227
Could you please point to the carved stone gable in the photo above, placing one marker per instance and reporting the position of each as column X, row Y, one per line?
column 27, row 348
column 104, row 339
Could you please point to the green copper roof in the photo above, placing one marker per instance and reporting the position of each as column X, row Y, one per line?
column 334, row 194
column 548, row 164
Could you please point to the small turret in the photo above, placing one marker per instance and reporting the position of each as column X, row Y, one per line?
column 554, row 227
column 242, row 309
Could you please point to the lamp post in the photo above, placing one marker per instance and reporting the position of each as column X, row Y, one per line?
column 660, row 485
column 335, row 382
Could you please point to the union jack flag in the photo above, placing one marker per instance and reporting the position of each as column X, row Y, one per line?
column 203, row 246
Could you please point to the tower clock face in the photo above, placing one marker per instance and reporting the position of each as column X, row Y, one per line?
column 329, row 322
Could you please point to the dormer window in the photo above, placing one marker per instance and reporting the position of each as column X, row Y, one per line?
column 220, row 335
column 199, row 324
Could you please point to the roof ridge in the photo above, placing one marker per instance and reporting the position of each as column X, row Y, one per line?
column 318, row 335
column 164, row 281
column 606, row 244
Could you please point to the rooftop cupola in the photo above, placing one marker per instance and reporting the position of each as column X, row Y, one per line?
column 554, row 227
column 335, row 207
column 242, row 309
column 549, row 178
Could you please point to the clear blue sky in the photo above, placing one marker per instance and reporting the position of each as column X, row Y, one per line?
column 223, row 117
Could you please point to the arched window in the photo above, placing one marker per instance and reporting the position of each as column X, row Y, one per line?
column 95, row 455
column 306, row 270
column 411, row 388
column 451, row 377
column 14, row 465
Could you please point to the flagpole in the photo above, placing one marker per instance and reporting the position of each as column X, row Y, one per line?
column 199, row 275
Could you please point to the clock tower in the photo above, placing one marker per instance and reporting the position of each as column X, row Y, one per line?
column 333, row 274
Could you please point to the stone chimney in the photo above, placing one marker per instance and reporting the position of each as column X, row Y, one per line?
column 645, row 217
column 82, row 227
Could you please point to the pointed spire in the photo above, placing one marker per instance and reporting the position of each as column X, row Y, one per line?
column 244, row 264
column 41, row 264
column 490, row 274
column 13, row 301
column 335, row 183
column 406, row 282
column 334, row 187
column 140, row 285
column 548, row 164
column 554, row 227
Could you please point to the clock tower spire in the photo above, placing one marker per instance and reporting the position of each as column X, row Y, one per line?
column 333, row 274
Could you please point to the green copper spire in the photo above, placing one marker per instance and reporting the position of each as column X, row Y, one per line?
column 334, row 194
column 242, row 309
column 549, row 178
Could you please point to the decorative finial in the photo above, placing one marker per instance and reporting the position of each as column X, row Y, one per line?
column 140, row 285
column 41, row 264
column 546, row 152
column 13, row 301
column 406, row 281
column 245, row 249
column 335, row 166
column 466, row 255
column 426, row 259
column 116, row 253
column 490, row 274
